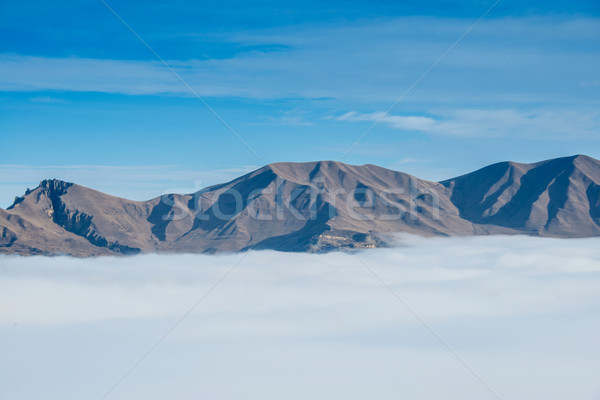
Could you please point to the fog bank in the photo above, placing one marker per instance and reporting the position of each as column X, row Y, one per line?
column 522, row 312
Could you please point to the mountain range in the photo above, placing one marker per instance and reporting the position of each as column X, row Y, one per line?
column 312, row 207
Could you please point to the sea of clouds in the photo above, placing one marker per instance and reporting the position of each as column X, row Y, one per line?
column 439, row 318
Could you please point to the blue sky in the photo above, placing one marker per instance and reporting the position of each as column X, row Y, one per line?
column 82, row 99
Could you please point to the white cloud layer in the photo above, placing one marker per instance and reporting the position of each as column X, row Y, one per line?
column 522, row 312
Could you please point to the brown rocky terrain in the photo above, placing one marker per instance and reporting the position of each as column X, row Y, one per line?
column 313, row 206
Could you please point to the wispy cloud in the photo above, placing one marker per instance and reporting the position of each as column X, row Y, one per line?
column 375, row 61
column 554, row 124
column 27, row 73
column 47, row 99
column 294, row 117
column 413, row 123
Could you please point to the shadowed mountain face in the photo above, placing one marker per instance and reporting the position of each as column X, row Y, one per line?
column 551, row 198
column 316, row 206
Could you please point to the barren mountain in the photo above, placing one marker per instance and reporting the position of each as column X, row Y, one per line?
column 559, row 197
column 314, row 206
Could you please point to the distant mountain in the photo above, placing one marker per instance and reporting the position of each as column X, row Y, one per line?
column 313, row 206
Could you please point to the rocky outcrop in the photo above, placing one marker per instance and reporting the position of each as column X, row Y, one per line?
column 75, row 221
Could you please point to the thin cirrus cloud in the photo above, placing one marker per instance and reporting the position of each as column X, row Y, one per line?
column 27, row 73
column 375, row 61
column 555, row 124
column 520, row 311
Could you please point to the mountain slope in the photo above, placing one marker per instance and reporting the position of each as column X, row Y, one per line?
column 313, row 206
column 557, row 197
column 105, row 222
column 307, row 206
